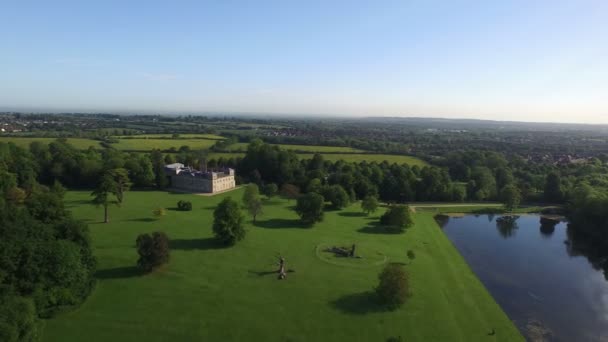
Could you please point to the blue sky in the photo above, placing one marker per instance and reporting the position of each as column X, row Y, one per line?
column 499, row 60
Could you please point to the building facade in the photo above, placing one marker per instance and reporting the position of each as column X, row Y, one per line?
column 186, row 178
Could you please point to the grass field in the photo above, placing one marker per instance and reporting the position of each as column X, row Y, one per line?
column 169, row 136
column 370, row 158
column 304, row 148
column 207, row 293
column 79, row 143
column 163, row 144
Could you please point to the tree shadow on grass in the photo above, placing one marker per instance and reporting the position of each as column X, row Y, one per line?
column 377, row 228
column 77, row 203
column 142, row 219
column 195, row 244
column 280, row 223
column 352, row 214
column 118, row 272
column 358, row 304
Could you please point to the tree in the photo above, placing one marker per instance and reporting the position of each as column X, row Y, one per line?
column 270, row 190
column 153, row 250
column 158, row 165
column 397, row 217
column 252, row 192
column 254, row 207
column 228, row 222
column 252, row 201
column 310, row 207
column 102, row 193
column 113, row 182
column 553, row 188
column 393, row 288
column 510, row 197
column 290, row 191
column 121, row 179
column 337, row 196
column 369, row 205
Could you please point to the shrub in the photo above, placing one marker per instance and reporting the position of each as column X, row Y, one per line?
column 153, row 250
column 393, row 288
column 159, row 212
column 184, row 206
column 411, row 255
column 397, row 218
column 228, row 222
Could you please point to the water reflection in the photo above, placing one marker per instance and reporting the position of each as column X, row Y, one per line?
column 552, row 285
column 507, row 225
column 594, row 250
column 547, row 226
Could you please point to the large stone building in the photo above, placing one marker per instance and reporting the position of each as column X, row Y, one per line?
column 188, row 179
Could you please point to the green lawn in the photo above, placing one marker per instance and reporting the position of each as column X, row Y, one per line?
column 208, row 293
column 79, row 143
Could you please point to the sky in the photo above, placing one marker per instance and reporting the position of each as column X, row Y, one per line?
column 498, row 60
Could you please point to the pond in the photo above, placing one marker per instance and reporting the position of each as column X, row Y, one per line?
column 545, row 281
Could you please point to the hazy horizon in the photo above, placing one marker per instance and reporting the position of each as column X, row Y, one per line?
column 518, row 61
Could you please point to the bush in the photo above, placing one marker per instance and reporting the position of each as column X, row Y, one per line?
column 310, row 208
column 393, row 288
column 397, row 218
column 159, row 212
column 184, row 206
column 153, row 250
column 228, row 222
column 411, row 255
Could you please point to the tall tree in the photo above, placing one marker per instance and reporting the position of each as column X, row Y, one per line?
column 510, row 196
column 113, row 183
column 553, row 188
column 158, row 164
column 228, row 222
column 252, row 200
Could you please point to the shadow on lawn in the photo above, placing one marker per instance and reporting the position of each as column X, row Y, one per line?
column 142, row 219
column 377, row 228
column 280, row 223
column 358, row 304
column 194, row 244
column 118, row 272
column 352, row 214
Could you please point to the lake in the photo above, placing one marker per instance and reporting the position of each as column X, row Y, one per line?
column 542, row 278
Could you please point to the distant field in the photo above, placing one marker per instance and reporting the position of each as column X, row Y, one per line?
column 216, row 155
column 163, row 144
column 307, row 148
column 78, row 143
column 168, row 136
column 347, row 157
column 356, row 158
